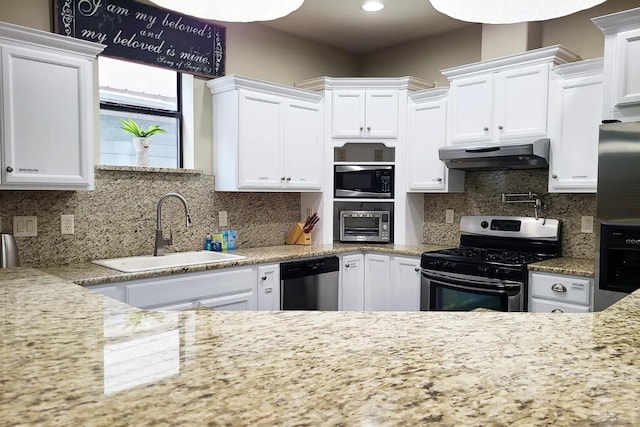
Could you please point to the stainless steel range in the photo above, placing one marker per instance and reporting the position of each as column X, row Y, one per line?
column 489, row 268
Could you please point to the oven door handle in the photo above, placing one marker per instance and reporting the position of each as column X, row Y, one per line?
column 471, row 282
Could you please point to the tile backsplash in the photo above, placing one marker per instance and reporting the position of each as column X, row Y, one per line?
column 482, row 196
column 118, row 218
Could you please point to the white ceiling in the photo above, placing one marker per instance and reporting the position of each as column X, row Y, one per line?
column 343, row 23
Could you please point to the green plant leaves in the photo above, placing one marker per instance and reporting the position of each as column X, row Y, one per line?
column 129, row 125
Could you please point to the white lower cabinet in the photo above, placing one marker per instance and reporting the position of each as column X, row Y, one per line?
column 405, row 283
column 556, row 293
column 269, row 287
column 352, row 282
column 377, row 282
column 226, row 289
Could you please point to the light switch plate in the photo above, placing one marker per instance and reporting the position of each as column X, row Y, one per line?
column 222, row 218
column 67, row 225
column 586, row 224
column 25, row 226
column 448, row 216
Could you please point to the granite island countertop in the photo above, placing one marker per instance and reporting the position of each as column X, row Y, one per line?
column 74, row 357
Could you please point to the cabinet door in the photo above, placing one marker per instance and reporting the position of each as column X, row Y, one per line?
column 405, row 284
column 575, row 108
column 627, row 80
column 269, row 287
column 48, row 117
column 377, row 282
column 347, row 116
column 521, row 103
column 352, row 282
column 303, row 145
column 381, row 114
column 470, row 109
column 427, row 133
column 261, row 135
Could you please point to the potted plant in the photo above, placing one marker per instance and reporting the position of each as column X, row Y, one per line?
column 141, row 140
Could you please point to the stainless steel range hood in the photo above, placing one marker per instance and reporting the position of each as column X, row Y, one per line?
column 491, row 157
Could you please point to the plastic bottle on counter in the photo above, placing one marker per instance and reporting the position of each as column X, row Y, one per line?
column 208, row 243
column 217, row 242
column 231, row 239
column 225, row 240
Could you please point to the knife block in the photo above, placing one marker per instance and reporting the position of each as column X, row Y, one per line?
column 297, row 236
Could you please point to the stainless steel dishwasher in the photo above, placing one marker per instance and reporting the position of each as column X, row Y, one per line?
column 310, row 284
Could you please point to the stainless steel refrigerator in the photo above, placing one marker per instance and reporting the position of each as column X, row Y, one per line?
column 617, row 270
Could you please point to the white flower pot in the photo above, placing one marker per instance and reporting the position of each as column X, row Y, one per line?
column 142, row 147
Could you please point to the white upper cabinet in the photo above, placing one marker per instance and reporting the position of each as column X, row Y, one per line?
column 47, row 109
column 502, row 100
column 365, row 114
column 366, row 108
column 267, row 137
column 575, row 107
column 621, row 88
column 427, row 130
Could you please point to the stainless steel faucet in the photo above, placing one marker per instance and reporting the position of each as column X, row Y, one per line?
column 161, row 242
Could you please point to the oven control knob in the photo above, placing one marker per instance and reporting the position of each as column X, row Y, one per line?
column 484, row 224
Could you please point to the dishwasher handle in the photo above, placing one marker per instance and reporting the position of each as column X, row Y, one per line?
column 309, row 267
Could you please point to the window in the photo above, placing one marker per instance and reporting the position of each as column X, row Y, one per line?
column 149, row 95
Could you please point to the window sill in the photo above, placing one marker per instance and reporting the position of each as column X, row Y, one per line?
column 148, row 169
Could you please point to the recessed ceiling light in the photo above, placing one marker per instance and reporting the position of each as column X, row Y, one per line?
column 372, row 6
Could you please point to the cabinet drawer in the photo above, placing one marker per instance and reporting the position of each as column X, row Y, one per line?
column 547, row 306
column 561, row 288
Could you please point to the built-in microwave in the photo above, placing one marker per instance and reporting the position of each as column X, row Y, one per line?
column 365, row 226
column 363, row 181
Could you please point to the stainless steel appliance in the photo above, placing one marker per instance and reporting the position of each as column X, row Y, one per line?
column 310, row 284
column 363, row 181
column 365, row 226
column 617, row 271
column 489, row 268
column 8, row 251
column 534, row 154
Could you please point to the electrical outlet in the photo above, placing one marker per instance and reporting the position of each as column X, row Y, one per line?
column 67, row 224
column 586, row 224
column 25, row 226
column 222, row 218
column 448, row 216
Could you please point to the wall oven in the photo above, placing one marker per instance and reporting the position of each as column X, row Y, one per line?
column 363, row 181
column 489, row 268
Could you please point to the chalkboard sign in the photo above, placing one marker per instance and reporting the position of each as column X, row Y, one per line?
column 146, row 34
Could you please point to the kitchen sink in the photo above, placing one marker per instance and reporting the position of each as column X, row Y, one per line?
column 135, row 264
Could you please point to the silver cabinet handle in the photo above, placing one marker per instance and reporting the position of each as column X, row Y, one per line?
column 416, row 269
column 486, row 129
column 554, row 176
column 439, row 179
column 361, row 128
column 557, row 310
column 9, row 169
column 368, row 128
column 500, row 127
column 264, row 277
column 347, row 265
column 288, row 178
column 282, row 178
column 268, row 291
column 558, row 287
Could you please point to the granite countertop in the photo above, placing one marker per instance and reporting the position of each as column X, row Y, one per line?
column 87, row 274
column 74, row 357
